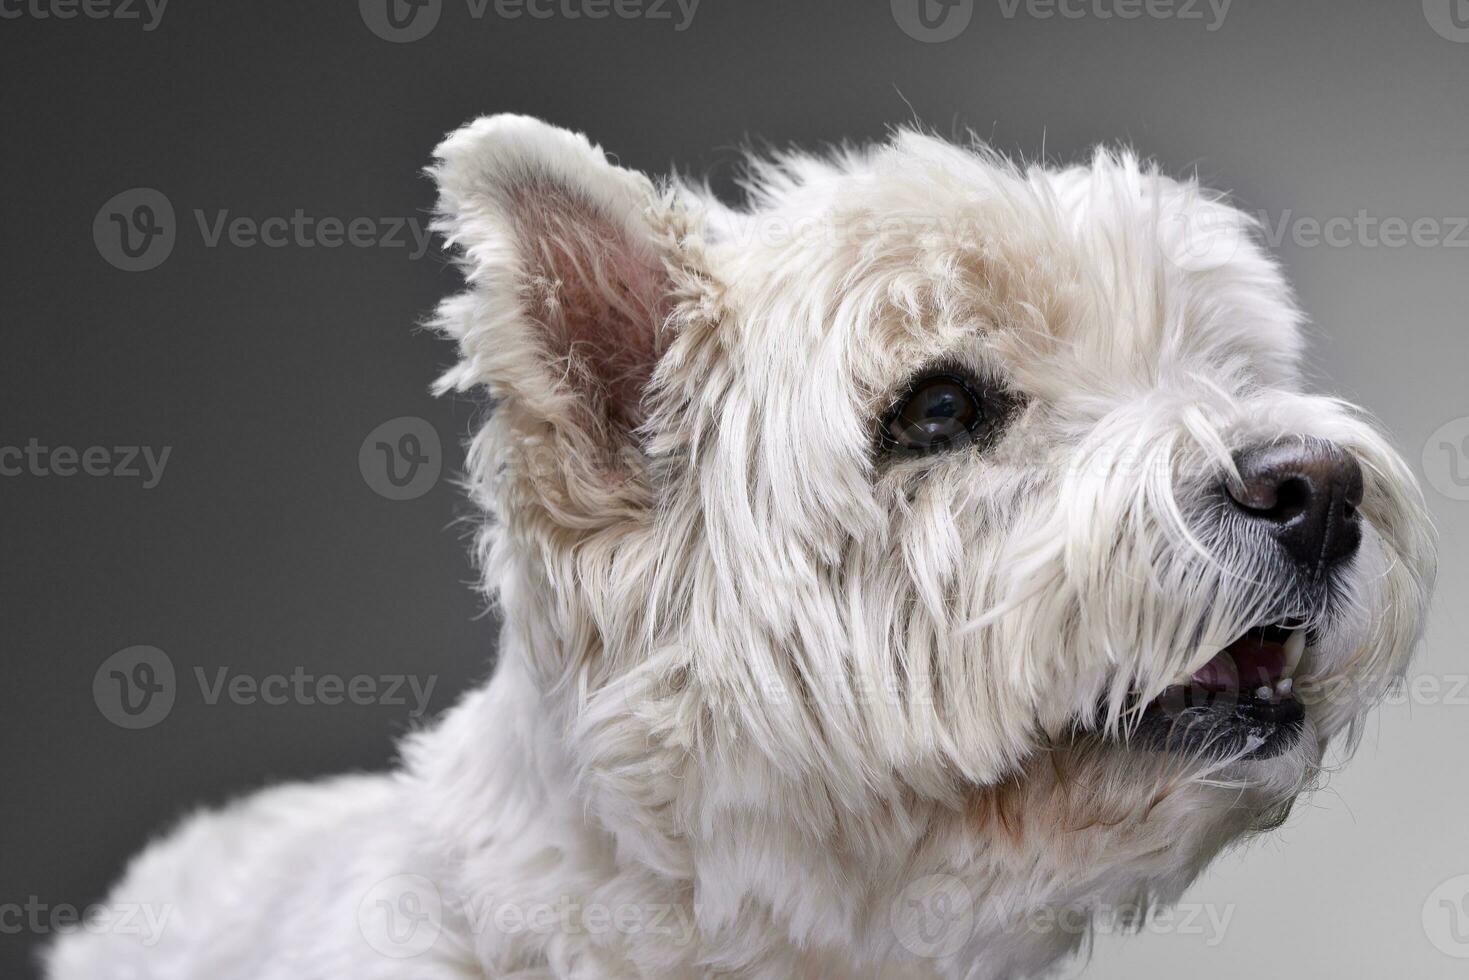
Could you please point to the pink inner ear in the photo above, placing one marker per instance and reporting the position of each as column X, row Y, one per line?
column 599, row 296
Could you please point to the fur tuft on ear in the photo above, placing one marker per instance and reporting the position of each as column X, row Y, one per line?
column 568, row 282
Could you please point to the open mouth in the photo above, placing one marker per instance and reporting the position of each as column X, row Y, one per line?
column 1241, row 703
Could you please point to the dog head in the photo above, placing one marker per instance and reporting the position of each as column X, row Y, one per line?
column 927, row 515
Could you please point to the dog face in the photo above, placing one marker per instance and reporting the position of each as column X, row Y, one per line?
column 959, row 513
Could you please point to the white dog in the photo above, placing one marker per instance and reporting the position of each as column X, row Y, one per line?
column 933, row 543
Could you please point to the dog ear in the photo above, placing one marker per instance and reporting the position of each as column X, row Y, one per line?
column 566, row 258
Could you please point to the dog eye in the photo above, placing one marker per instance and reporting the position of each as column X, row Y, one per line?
column 939, row 412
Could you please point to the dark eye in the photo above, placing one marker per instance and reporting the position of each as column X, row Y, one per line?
column 939, row 412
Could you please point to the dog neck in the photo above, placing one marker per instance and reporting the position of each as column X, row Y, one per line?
column 558, row 812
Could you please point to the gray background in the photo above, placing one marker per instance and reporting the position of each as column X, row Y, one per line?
column 265, row 549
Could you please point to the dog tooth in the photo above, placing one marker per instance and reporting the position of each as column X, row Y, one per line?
column 1263, row 692
column 1295, row 648
column 1283, row 687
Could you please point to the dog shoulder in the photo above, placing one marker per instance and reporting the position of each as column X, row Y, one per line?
column 285, row 862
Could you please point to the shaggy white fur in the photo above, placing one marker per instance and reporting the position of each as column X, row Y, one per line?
column 771, row 701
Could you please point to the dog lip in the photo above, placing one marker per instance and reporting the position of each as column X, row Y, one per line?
column 1221, row 724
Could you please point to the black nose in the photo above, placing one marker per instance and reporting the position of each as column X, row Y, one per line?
column 1307, row 494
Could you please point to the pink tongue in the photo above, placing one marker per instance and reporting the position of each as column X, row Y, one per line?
column 1246, row 664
